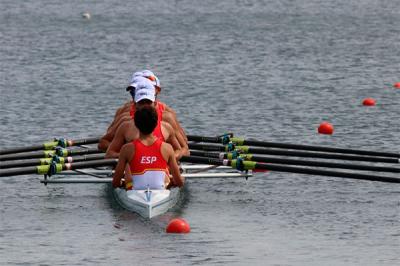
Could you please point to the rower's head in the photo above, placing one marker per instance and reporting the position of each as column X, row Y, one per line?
column 144, row 94
column 148, row 75
column 153, row 78
column 146, row 119
column 134, row 83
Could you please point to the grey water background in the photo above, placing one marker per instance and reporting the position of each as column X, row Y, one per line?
column 270, row 70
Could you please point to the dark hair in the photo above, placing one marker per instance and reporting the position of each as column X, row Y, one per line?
column 146, row 119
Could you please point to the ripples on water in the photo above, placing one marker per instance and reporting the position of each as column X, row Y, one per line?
column 270, row 70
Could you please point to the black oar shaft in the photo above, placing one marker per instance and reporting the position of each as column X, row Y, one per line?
column 18, row 171
column 43, row 169
column 298, row 162
column 46, row 154
column 291, row 169
column 50, row 145
column 299, row 170
column 308, row 154
column 22, row 149
column 44, row 161
column 268, row 144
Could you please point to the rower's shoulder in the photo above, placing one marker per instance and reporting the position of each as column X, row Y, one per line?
column 166, row 107
column 167, row 116
column 127, row 149
column 126, row 126
column 167, row 126
column 167, row 147
column 124, row 107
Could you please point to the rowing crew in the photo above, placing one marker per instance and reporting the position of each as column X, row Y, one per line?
column 146, row 137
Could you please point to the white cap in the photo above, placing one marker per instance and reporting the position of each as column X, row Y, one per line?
column 153, row 78
column 136, row 74
column 146, row 74
column 144, row 90
column 135, row 80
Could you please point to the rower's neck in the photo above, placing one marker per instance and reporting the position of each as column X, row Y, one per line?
column 147, row 139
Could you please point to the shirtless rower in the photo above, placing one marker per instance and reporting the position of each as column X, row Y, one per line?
column 124, row 113
column 144, row 96
column 148, row 158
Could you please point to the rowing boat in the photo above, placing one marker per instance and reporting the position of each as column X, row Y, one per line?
column 147, row 203
column 151, row 202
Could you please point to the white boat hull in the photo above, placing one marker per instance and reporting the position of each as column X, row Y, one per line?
column 147, row 204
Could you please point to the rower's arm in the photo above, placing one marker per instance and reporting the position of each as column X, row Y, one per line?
column 105, row 140
column 117, row 142
column 178, row 179
column 123, row 109
column 118, row 121
column 121, row 115
column 173, row 141
column 183, row 144
column 175, row 118
column 124, row 158
column 169, row 118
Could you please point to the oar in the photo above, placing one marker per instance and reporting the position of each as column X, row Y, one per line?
column 48, row 154
column 56, row 168
column 241, row 142
column 44, row 161
column 247, row 149
column 265, row 159
column 51, row 145
column 103, row 180
column 249, row 165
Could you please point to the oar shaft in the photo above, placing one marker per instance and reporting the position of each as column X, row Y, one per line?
column 47, row 154
column 285, row 161
column 18, row 171
column 44, row 169
column 299, row 170
column 307, row 154
column 267, row 144
column 50, row 145
column 44, row 161
column 290, row 169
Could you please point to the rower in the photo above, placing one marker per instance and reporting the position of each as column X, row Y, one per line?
column 147, row 157
column 124, row 113
column 144, row 95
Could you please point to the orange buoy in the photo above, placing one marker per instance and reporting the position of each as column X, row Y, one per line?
column 397, row 85
column 325, row 128
column 178, row 226
column 369, row 102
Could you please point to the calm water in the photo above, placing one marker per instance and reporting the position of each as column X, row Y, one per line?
column 271, row 70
